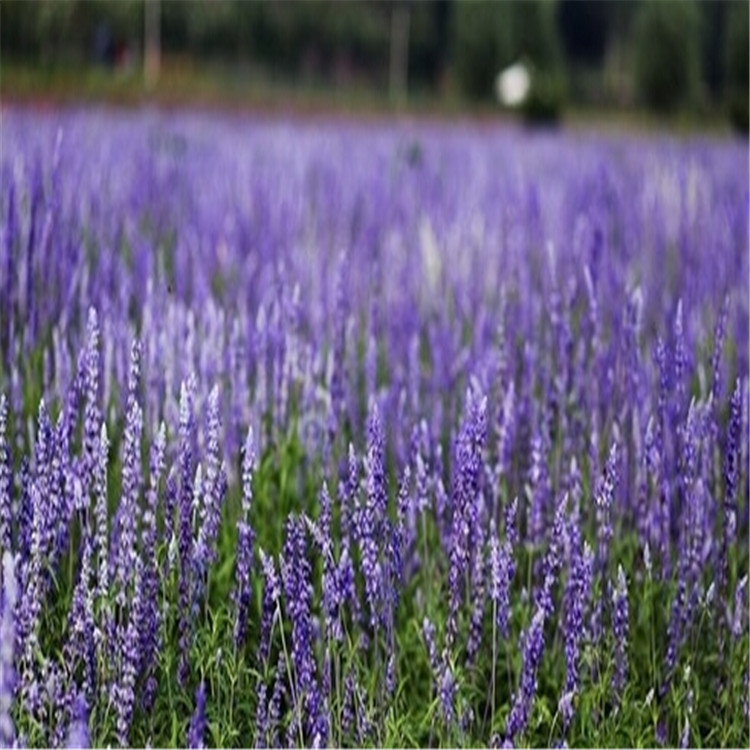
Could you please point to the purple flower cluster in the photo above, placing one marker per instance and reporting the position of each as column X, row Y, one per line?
column 411, row 410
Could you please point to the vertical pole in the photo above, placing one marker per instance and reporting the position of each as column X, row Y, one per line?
column 399, row 67
column 152, row 43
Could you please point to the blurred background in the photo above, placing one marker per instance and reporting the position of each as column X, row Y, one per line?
column 681, row 62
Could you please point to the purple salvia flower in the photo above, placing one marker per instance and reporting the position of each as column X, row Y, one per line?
column 78, row 731
column 31, row 604
column 604, row 498
column 533, row 650
column 620, row 626
column 331, row 591
column 685, row 735
column 350, row 519
column 185, row 535
column 719, row 335
column 80, row 647
column 6, row 500
column 274, row 705
column 539, row 491
column 372, row 515
column 731, row 481
column 674, row 634
column 350, row 487
column 298, row 598
column 577, row 594
column 465, row 502
column 502, row 570
column 104, row 634
column 364, row 723
column 209, row 507
column 45, row 482
column 428, row 632
column 553, row 558
column 7, row 649
column 197, row 729
column 271, row 594
column 478, row 598
column 243, row 586
column 680, row 360
column 151, row 617
column 25, row 514
column 60, row 509
column 261, row 717
column 92, row 415
column 348, row 708
column 401, row 540
column 447, row 694
column 129, row 659
column 127, row 516
column 661, row 732
column 739, row 616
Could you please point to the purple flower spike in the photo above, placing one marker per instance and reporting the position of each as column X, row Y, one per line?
column 185, row 535
column 501, row 577
column 533, row 650
column 620, row 618
column 78, row 731
column 197, row 728
column 372, row 516
column 298, row 602
column 92, row 415
column 6, row 501
column 209, row 504
column 576, row 600
column 464, row 502
column 151, row 617
column 246, row 538
column 271, row 595
column 7, row 649
column 127, row 516
column 553, row 558
column 447, row 693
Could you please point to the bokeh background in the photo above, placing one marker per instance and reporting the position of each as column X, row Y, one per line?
column 681, row 62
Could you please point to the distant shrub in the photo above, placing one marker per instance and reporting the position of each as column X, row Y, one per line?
column 667, row 53
column 481, row 35
column 490, row 36
column 546, row 99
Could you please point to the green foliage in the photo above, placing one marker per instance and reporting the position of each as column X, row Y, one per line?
column 667, row 54
column 490, row 36
column 546, row 98
column 738, row 65
column 481, row 45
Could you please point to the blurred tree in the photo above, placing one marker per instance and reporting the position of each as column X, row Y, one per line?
column 481, row 45
column 713, row 22
column 667, row 53
column 584, row 29
column 738, row 64
column 428, row 42
column 535, row 35
column 536, row 39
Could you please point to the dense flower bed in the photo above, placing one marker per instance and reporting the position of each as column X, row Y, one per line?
column 338, row 434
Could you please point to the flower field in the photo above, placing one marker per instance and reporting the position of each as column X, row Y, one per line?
column 365, row 434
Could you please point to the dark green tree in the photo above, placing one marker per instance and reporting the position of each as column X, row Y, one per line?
column 738, row 75
column 667, row 53
column 481, row 45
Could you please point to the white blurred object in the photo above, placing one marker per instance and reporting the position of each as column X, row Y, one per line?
column 512, row 85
